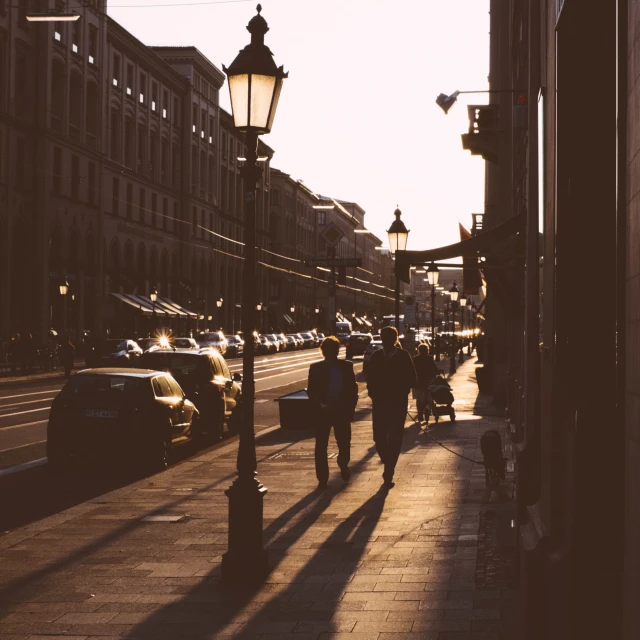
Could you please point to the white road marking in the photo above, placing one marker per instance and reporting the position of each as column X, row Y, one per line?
column 24, row 395
column 19, row 413
column 22, row 446
column 19, row 404
column 19, row 426
column 23, row 467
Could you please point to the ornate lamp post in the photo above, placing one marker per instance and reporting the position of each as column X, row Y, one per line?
column 255, row 83
column 64, row 290
column 463, row 303
column 454, row 293
column 218, row 312
column 398, row 237
column 433, row 276
column 154, row 296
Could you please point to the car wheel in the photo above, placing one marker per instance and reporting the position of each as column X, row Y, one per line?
column 161, row 454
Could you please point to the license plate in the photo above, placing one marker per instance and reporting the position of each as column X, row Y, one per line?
column 100, row 413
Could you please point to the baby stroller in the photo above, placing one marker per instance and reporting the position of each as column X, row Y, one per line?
column 441, row 399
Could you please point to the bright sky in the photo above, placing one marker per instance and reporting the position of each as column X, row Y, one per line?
column 357, row 118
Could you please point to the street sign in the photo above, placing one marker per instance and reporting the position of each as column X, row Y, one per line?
column 333, row 262
column 410, row 310
column 332, row 234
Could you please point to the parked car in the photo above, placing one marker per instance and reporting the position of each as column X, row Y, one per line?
column 104, row 415
column 267, row 345
column 213, row 340
column 283, row 341
column 343, row 331
column 357, row 344
column 321, row 337
column 207, row 382
column 372, row 347
column 276, row 340
column 292, row 343
column 167, row 342
column 300, row 339
column 116, row 353
column 235, row 346
column 309, row 340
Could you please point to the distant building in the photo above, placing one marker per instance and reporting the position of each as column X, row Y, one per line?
column 119, row 171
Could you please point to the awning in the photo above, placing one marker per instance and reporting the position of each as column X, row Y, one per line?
column 191, row 314
column 147, row 304
column 132, row 303
column 171, row 307
column 489, row 244
column 366, row 322
column 288, row 318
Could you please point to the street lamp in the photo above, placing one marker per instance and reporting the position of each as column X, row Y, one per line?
column 64, row 290
column 433, row 276
column 463, row 303
column 398, row 237
column 255, row 83
column 154, row 296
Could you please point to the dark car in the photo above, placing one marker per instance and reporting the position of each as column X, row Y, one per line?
column 166, row 342
column 213, row 340
column 116, row 353
column 207, row 382
column 357, row 344
column 292, row 343
column 103, row 415
column 267, row 345
column 309, row 340
column 235, row 346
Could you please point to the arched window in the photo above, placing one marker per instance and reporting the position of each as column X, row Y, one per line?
column 91, row 121
column 75, row 105
column 58, row 95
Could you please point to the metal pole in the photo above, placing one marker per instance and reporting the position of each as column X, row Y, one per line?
column 433, row 319
column 398, row 303
column 332, row 293
column 64, row 313
column 246, row 557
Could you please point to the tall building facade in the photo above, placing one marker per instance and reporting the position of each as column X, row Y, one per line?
column 119, row 171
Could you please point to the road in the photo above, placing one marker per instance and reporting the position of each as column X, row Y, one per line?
column 24, row 411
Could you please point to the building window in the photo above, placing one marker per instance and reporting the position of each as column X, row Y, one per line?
column 129, row 201
column 322, row 217
column 91, row 183
column 194, row 221
column 165, row 103
column 212, row 176
column 203, row 120
column 164, row 161
column 75, row 177
column 57, row 170
column 275, row 197
column 153, row 158
column 75, row 105
column 129, row 142
column 141, row 209
column 176, row 108
column 211, row 129
column 3, row 72
column 173, row 224
column 194, row 118
column 93, row 44
column 115, row 197
column 194, row 170
column 116, row 70
column 223, row 145
column 143, row 87
column 154, row 209
column 165, row 213
column 114, row 134
column 76, row 36
column 175, row 166
column 130, row 86
column 142, row 149
column 91, row 121
column 154, row 96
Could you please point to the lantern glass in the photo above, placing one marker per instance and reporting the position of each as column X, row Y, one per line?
column 433, row 275
column 153, row 295
column 454, row 293
column 239, row 90
column 64, row 289
column 463, row 300
column 292, row 309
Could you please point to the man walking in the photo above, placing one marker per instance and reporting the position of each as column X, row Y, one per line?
column 333, row 391
column 390, row 377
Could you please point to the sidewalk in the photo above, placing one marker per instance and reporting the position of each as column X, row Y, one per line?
column 430, row 559
column 7, row 378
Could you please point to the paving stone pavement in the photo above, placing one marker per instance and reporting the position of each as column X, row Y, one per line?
column 432, row 558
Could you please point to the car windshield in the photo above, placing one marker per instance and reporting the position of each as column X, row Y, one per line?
column 181, row 343
column 105, row 387
column 180, row 366
column 209, row 337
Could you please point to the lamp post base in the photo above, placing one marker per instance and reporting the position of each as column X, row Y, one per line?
column 246, row 560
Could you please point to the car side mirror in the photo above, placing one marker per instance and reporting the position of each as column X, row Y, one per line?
column 237, row 377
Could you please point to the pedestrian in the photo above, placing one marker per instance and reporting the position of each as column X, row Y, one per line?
column 333, row 391
column 426, row 371
column 390, row 377
column 67, row 355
